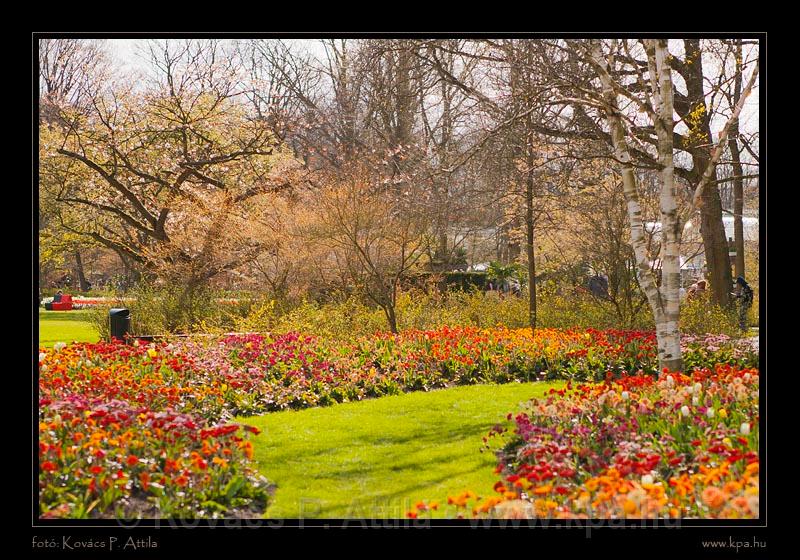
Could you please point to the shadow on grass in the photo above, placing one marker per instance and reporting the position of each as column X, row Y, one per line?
column 423, row 438
column 376, row 504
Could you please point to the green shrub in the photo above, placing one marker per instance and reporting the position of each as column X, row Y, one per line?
column 350, row 317
column 341, row 320
column 168, row 309
column 699, row 315
column 173, row 309
column 421, row 310
column 98, row 317
column 576, row 310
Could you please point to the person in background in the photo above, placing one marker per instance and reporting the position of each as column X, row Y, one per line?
column 701, row 288
column 598, row 286
column 744, row 293
column 58, row 296
column 697, row 289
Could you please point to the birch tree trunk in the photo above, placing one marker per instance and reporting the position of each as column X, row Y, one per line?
column 663, row 301
column 667, row 330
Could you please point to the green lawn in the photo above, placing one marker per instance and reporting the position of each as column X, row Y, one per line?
column 376, row 458
column 65, row 326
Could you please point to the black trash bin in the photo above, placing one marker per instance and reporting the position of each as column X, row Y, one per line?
column 120, row 319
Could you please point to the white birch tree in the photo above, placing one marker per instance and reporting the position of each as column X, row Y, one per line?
column 663, row 296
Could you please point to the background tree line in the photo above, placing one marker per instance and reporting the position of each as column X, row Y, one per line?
column 304, row 168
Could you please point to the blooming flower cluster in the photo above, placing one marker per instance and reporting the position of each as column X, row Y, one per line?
column 141, row 429
column 275, row 372
column 118, row 437
column 636, row 447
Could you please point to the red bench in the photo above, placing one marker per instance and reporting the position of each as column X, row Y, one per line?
column 64, row 305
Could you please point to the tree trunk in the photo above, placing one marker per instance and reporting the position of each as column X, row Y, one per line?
column 186, row 303
column 715, row 245
column 738, row 182
column 529, row 250
column 440, row 254
column 669, row 345
column 738, row 225
column 667, row 326
column 405, row 97
column 643, row 270
column 83, row 284
column 391, row 318
column 442, row 187
column 712, row 229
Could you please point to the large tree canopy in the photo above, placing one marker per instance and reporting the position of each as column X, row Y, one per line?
column 145, row 165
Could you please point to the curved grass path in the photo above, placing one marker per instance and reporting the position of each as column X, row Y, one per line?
column 376, row 458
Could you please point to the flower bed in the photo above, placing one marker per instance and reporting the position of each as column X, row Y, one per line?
column 140, row 430
column 268, row 373
column 120, row 436
column 636, row 447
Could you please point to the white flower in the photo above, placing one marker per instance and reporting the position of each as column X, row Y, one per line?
column 747, row 377
column 58, row 346
column 698, row 388
column 670, row 381
column 43, row 368
column 685, row 410
column 42, row 356
column 710, row 413
column 647, row 479
column 696, row 401
column 625, row 395
column 745, row 429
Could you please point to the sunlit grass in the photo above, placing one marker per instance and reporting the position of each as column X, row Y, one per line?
column 376, row 458
column 65, row 326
